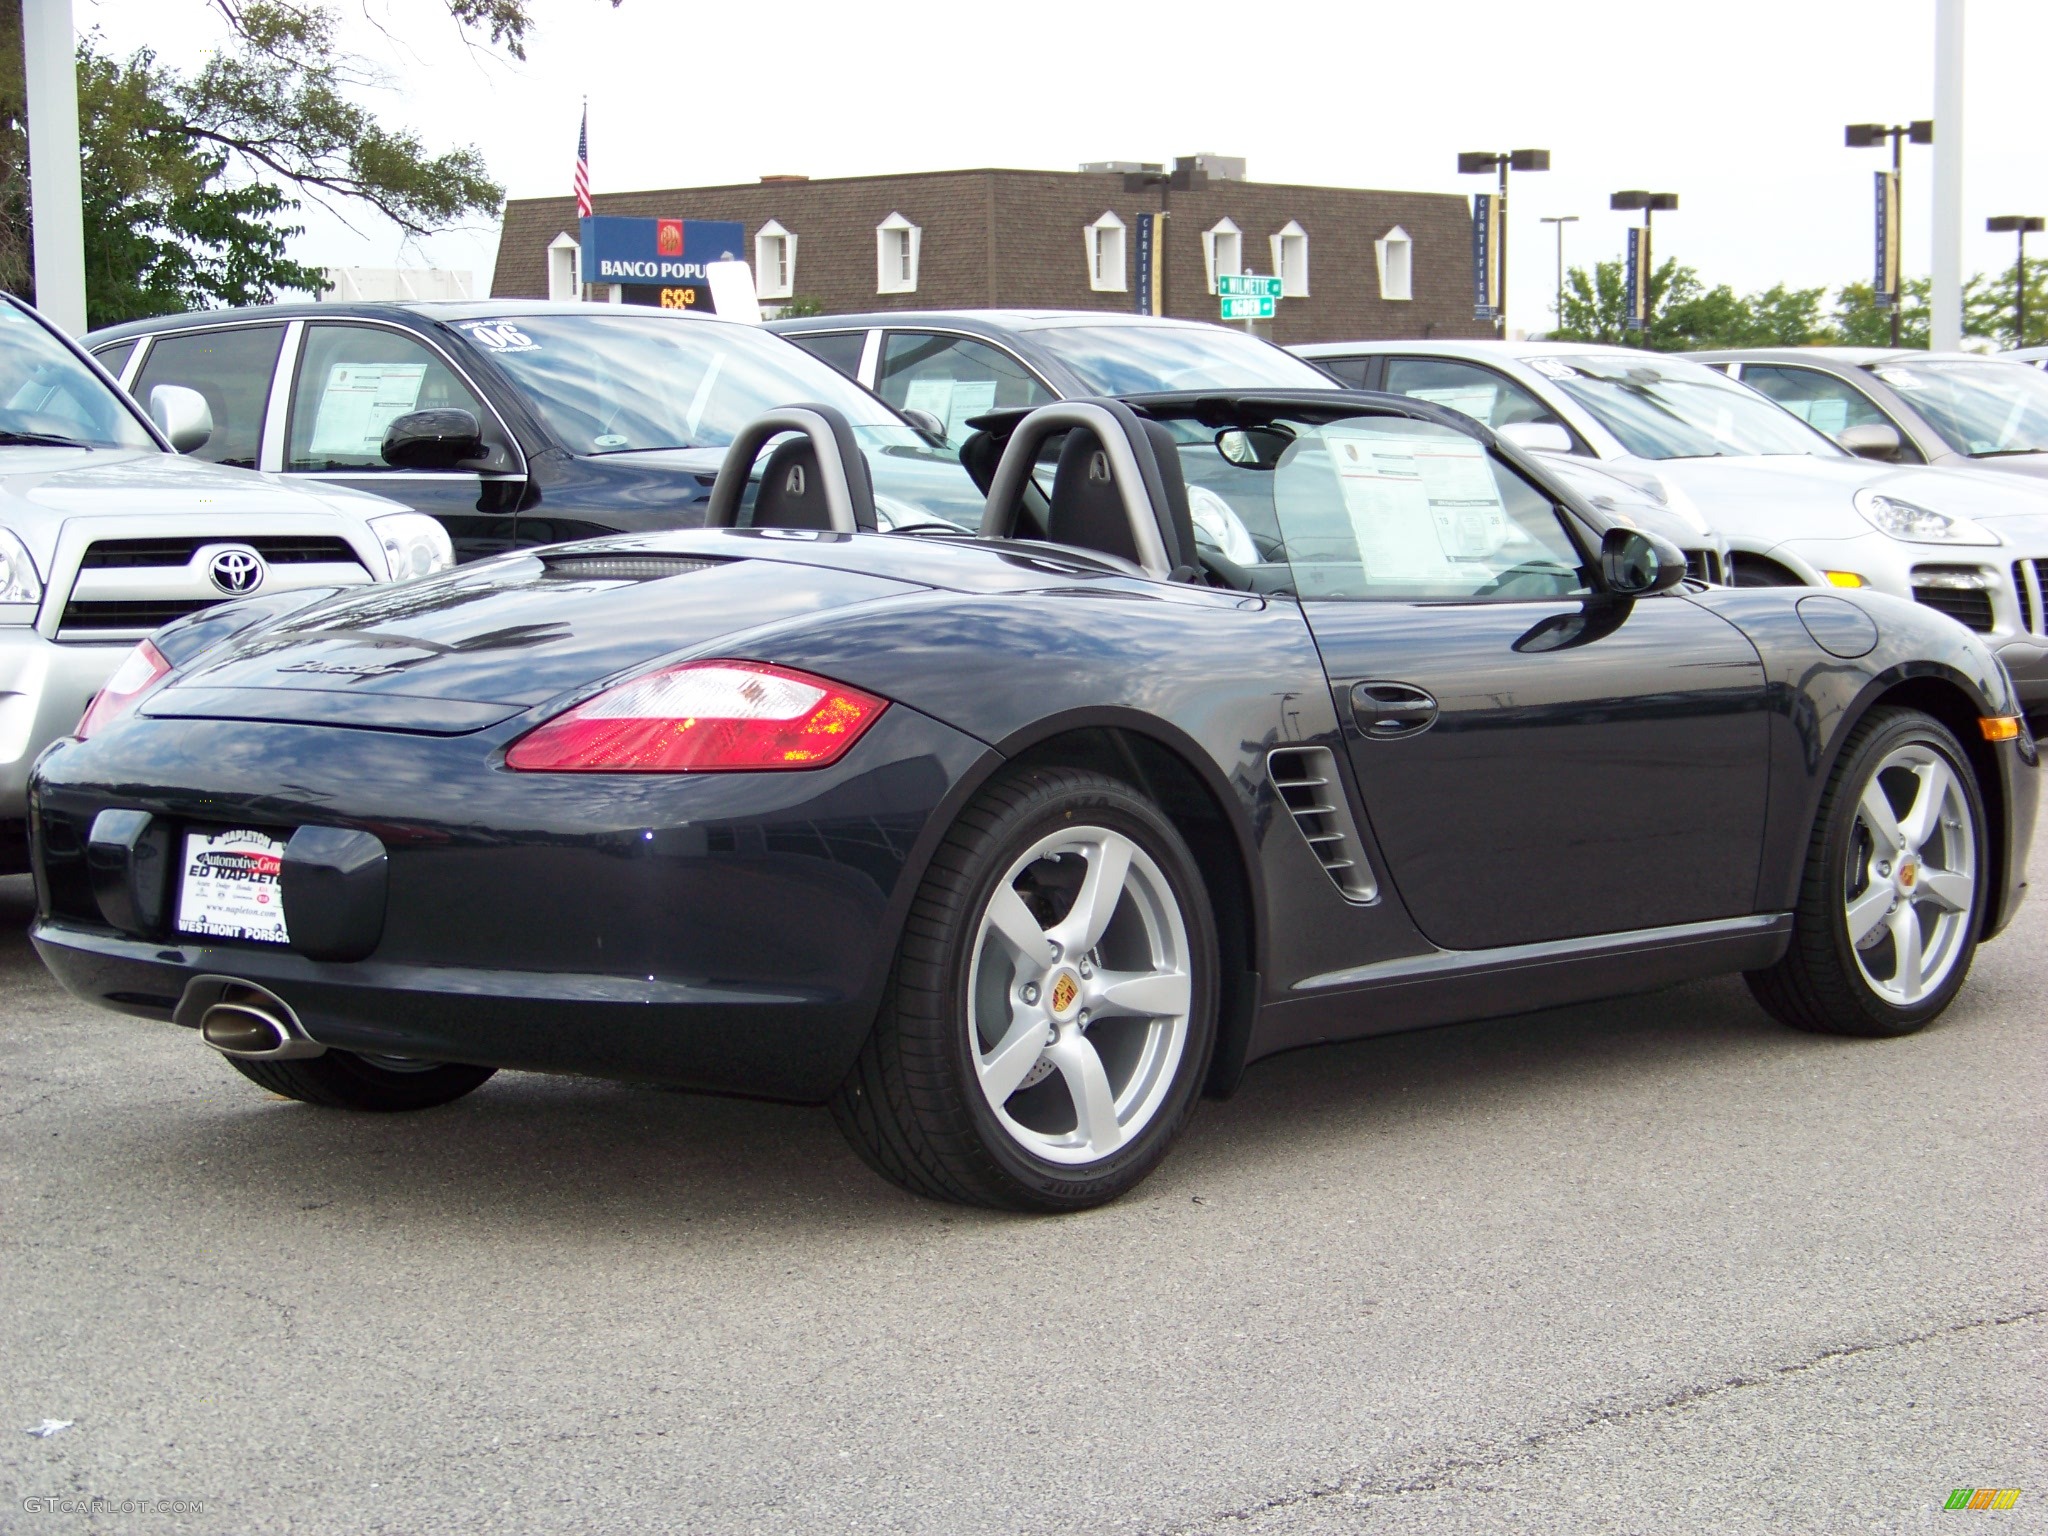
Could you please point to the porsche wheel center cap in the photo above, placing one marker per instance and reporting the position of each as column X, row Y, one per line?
column 1064, row 992
column 1907, row 873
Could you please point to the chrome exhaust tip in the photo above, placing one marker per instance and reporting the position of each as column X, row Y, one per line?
column 245, row 1021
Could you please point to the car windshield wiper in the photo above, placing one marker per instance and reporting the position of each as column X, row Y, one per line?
column 41, row 440
column 2006, row 453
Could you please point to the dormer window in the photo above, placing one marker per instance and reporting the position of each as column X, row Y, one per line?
column 1105, row 244
column 1396, row 254
column 1223, row 251
column 896, row 255
column 1290, row 260
column 774, row 262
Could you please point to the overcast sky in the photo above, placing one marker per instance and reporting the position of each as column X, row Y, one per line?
column 1736, row 105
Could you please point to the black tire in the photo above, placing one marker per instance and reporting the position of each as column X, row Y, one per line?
column 344, row 1080
column 1819, row 985
column 913, row 1106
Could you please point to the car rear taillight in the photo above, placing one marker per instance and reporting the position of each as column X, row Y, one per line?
column 144, row 668
column 703, row 717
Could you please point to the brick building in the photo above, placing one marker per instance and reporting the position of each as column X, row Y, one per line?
column 1355, row 263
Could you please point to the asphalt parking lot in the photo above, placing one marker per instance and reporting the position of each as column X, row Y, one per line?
column 1648, row 1266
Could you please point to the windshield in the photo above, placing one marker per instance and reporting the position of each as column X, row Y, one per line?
column 48, row 396
column 1983, row 409
column 627, row 383
column 1660, row 408
column 1151, row 359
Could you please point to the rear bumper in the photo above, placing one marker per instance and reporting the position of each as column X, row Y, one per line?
column 789, row 1043
column 727, row 932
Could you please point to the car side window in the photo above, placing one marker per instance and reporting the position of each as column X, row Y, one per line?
column 115, row 357
column 353, row 382
column 1820, row 400
column 1478, row 392
column 836, row 349
column 232, row 369
column 1384, row 508
column 1350, row 369
column 953, row 378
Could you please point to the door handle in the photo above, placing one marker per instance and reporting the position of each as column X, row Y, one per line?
column 1388, row 710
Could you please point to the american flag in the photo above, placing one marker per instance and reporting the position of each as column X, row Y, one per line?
column 583, row 167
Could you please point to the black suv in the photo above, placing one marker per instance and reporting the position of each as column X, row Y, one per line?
column 513, row 421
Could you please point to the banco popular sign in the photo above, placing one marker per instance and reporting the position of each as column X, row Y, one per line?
column 670, row 251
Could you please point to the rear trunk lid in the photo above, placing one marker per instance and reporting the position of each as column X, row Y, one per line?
column 460, row 652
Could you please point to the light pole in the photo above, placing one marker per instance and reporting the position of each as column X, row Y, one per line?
column 2020, row 225
column 1651, row 203
column 1560, row 222
column 1871, row 135
column 1479, row 163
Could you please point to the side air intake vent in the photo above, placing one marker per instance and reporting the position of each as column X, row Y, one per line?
column 1307, row 780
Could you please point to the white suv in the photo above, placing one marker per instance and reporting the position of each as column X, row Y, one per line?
column 1796, row 509
column 106, row 533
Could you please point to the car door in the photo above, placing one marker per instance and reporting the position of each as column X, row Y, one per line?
column 1826, row 403
column 953, row 378
column 351, row 381
column 232, row 368
column 1538, row 761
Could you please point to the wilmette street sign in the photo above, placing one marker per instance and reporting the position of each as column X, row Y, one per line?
column 1248, row 285
column 1260, row 308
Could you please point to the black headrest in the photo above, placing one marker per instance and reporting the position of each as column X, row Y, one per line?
column 979, row 456
column 773, row 501
column 792, row 493
column 1087, row 509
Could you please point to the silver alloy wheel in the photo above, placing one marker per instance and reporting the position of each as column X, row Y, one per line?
column 1079, row 994
column 1912, row 877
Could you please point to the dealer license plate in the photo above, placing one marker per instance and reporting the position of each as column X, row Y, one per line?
column 229, row 887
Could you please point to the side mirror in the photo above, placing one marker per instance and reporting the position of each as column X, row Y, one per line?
column 182, row 415
column 438, row 439
column 1254, row 447
column 1536, row 436
column 927, row 424
column 1871, row 440
column 1637, row 564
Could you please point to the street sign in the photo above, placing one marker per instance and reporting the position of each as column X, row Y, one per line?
column 1260, row 308
column 1247, row 285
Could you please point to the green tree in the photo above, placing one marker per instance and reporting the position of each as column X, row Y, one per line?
column 1858, row 321
column 189, row 178
column 1685, row 314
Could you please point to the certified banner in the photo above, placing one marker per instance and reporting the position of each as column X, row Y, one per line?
column 1636, row 281
column 1485, row 256
column 1146, row 298
column 1887, row 281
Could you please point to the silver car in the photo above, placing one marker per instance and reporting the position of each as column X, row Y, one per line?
column 1796, row 507
column 1948, row 408
column 108, row 533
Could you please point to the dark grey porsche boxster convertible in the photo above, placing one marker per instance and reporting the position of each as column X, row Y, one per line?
column 1242, row 721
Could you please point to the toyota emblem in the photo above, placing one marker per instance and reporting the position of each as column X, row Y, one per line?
column 236, row 571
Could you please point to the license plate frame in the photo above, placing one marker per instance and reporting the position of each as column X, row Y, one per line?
column 229, row 886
